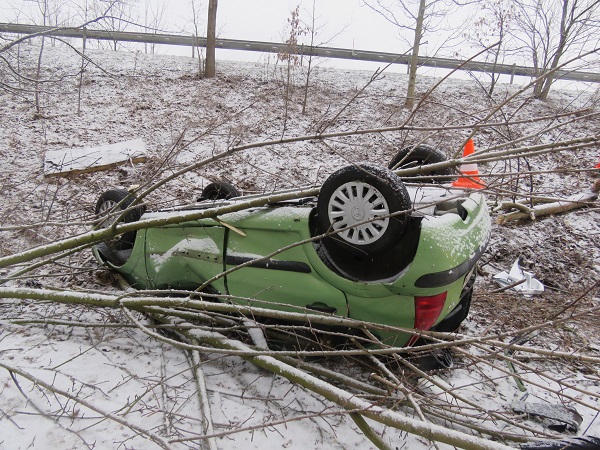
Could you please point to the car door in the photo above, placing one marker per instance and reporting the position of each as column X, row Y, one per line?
column 184, row 256
column 285, row 281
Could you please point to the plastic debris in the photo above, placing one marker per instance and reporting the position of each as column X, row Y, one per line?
column 576, row 443
column 557, row 418
column 519, row 280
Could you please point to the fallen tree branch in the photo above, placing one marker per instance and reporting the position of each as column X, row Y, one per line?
column 573, row 202
column 148, row 304
column 206, row 420
column 343, row 398
column 375, row 405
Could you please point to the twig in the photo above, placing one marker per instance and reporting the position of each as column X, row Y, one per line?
column 206, row 419
column 510, row 286
column 347, row 400
column 78, row 399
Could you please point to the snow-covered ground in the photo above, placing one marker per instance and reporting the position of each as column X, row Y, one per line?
column 125, row 374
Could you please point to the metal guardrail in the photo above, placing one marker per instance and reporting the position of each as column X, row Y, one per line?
column 274, row 47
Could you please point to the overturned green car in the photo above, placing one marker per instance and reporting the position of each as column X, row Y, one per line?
column 374, row 248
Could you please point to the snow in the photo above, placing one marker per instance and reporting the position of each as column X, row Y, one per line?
column 204, row 245
column 121, row 370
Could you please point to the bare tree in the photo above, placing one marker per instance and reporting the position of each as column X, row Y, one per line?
column 295, row 29
column 120, row 16
column 196, row 24
column 49, row 15
column 44, row 11
column 312, row 32
column 414, row 19
column 492, row 27
column 36, row 84
column 551, row 30
column 414, row 58
column 154, row 19
column 313, row 28
column 211, row 36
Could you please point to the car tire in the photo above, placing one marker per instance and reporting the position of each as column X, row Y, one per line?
column 360, row 203
column 219, row 190
column 118, row 200
column 421, row 155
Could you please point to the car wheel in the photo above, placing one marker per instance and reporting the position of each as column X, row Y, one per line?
column 108, row 208
column 360, row 204
column 421, row 155
column 219, row 190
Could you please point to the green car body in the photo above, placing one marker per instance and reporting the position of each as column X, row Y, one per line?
column 449, row 231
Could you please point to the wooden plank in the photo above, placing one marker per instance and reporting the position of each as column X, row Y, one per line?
column 93, row 159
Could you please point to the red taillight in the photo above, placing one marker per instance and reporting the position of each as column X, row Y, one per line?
column 427, row 311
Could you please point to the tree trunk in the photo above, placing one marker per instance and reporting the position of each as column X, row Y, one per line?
column 211, row 35
column 414, row 60
column 546, row 83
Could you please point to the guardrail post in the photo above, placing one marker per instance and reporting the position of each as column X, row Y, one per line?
column 512, row 73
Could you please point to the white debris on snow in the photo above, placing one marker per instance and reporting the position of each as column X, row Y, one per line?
column 527, row 284
column 91, row 159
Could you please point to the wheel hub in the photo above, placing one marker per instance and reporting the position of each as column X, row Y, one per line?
column 359, row 212
column 107, row 206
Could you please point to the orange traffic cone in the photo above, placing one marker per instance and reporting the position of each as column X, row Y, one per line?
column 469, row 174
column 597, row 166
